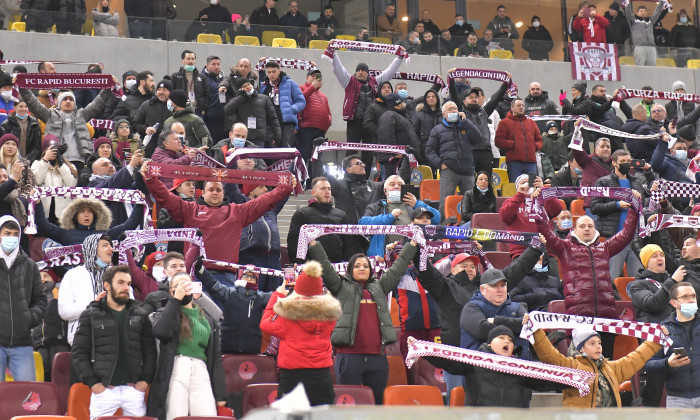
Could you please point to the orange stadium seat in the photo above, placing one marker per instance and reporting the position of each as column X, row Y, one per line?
column 412, row 395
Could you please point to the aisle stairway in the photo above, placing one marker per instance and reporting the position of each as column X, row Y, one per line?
column 285, row 216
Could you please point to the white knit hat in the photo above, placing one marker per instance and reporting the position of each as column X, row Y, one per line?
column 64, row 95
column 678, row 85
column 580, row 335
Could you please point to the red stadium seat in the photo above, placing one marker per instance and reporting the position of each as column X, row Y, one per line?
column 353, row 395
column 430, row 190
column 457, row 397
column 621, row 285
column 397, row 371
column 423, row 373
column 499, row 259
column 499, row 202
column 125, row 418
column 28, row 398
column 60, row 375
column 452, row 207
column 43, row 418
column 245, row 369
column 557, row 307
column 258, row 396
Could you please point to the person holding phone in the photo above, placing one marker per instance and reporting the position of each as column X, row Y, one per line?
column 678, row 366
column 53, row 171
column 189, row 377
column 315, row 118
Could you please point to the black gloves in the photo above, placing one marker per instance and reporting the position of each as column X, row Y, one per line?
column 319, row 141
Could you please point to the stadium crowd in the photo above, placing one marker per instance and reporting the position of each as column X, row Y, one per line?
column 163, row 316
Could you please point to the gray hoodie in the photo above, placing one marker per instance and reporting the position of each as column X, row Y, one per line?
column 642, row 29
column 505, row 39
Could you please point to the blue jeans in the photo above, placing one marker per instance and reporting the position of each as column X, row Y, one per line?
column 20, row 361
column 517, row 168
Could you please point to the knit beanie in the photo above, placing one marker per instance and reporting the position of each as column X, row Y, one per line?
column 165, row 83
column 49, row 140
column 499, row 330
column 8, row 137
column 179, row 97
column 677, row 85
column 647, row 252
column 242, row 81
column 687, row 132
column 580, row 86
column 122, row 121
column 309, row 282
column 247, row 188
column 549, row 126
column 520, row 178
column 64, row 95
column 580, row 335
column 99, row 142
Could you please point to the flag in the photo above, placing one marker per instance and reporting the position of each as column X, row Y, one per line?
column 594, row 61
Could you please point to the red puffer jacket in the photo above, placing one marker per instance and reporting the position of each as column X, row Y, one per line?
column 588, row 289
column 519, row 137
column 317, row 113
column 304, row 327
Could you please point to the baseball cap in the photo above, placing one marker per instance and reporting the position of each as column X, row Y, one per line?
column 492, row 276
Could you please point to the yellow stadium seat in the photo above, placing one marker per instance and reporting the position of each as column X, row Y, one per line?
column 503, row 54
column 502, row 162
column 694, row 64
column 89, row 27
column 499, row 177
column 666, row 62
column 19, row 27
column 456, row 51
column 268, row 36
column 626, row 60
column 508, row 190
column 53, row 29
column 13, row 19
column 246, row 40
column 381, row 39
column 209, row 39
column 420, row 173
column 284, row 43
column 318, row 44
column 345, row 37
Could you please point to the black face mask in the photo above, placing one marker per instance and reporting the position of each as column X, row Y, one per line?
column 105, row 9
column 623, row 168
column 186, row 300
column 473, row 107
column 48, row 286
column 365, row 37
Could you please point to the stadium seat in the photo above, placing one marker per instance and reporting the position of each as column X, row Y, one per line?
column 421, row 173
column 381, row 40
column 500, row 201
column 557, row 307
column 24, row 398
column 499, row 259
column 79, row 401
column 318, row 44
column 456, row 52
column 424, row 373
column 345, row 37
column 498, row 178
column 430, row 190
column 508, row 190
column 577, row 207
column 397, row 371
column 258, row 396
column 43, row 418
column 412, row 395
column 453, row 207
column 209, row 39
column 394, row 310
column 246, row 40
column 18, row 27
column 125, row 418
column 626, row 60
column 625, row 310
column 353, row 395
column 457, row 396
column 268, row 36
column 284, row 42
column 488, row 221
column 503, row 54
column 394, row 349
column 621, row 285
column 694, row 64
column 244, row 369
column 665, row 62
column 502, row 162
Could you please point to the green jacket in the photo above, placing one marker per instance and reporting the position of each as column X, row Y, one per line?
column 349, row 293
column 196, row 132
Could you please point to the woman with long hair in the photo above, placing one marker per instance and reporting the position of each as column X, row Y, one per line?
column 190, row 376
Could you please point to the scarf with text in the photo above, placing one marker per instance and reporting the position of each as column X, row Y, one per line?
column 394, row 149
column 335, row 44
column 133, row 197
column 667, row 5
column 623, row 93
column 69, row 81
column 417, row 77
column 434, row 232
column 672, row 189
column 442, row 247
column 102, row 124
column 289, row 159
column 202, row 159
column 546, row 320
column 60, row 256
column 560, row 374
column 137, row 238
column 554, row 117
column 231, row 176
column 287, row 63
column 665, row 221
column 500, row 76
column 585, row 124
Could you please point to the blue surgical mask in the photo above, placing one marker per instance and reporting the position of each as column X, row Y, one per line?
column 170, row 105
column 483, row 190
column 9, row 243
column 540, row 269
column 682, row 154
column 566, row 224
column 100, row 264
column 21, row 117
column 403, row 93
column 106, row 176
column 189, row 68
column 184, row 197
column 687, row 309
column 684, row 19
column 393, row 197
column 238, row 143
column 452, row 117
column 578, row 171
column 459, row 22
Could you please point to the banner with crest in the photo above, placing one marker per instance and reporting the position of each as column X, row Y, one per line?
column 594, row 61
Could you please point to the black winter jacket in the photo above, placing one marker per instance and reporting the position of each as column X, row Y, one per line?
column 137, row 8
column 33, row 147
column 257, row 106
column 580, row 106
column 479, row 116
column 618, row 29
column 395, row 128
column 672, row 109
column 452, row 145
column 606, row 208
column 540, row 105
column 52, row 329
column 22, row 301
column 96, row 344
column 475, row 201
column 639, row 149
column 649, row 294
column 201, row 91
column 538, row 42
column 147, row 115
column 556, row 148
column 536, row 290
column 166, row 328
column 371, row 119
column 126, row 110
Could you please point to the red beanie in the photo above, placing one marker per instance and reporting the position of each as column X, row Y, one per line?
column 8, row 137
column 152, row 259
column 100, row 141
column 247, row 188
column 49, row 140
column 309, row 282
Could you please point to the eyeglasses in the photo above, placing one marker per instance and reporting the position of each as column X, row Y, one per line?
column 657, row 110
column 123, row 126
column 358, row 163
column 687, row 297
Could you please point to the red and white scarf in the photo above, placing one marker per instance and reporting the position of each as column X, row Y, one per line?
column 60, row 256
column 137, row 238
column 133, row 197
column 102, row 124
column 500, row 76
column 585, row 124
column 417, row 77
column 394, row 149
column 232, row 176
column 288, row 157
column 624, row 93
column 667, row 5
column 201, row 159
column 560, row 374
column 647, row 331
column 69, row 81
column 665, row 221
column 288, row 63
column 672, row 189
column 554, row 117
column 361, row 45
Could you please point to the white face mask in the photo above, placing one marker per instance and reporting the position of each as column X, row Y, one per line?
column 159, row 273
column 213, row 2
column 130, row 83
column 393, row 196
column 536, row 24
column 7, row 95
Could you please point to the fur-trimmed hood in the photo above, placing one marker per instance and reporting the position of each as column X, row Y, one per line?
column 318, row 308
column 101, row 221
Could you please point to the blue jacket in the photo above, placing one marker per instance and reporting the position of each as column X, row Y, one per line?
column 292, row 101
column 416, row 306
column 475, row 326
column 682, row 381
column 263, row 234
column 378, row 214
column 668, row 166
column 5, row 109
column 122, row 179
column 639, row 149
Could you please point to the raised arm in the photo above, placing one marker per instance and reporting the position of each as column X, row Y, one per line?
column 331, row 278
column 390, row 71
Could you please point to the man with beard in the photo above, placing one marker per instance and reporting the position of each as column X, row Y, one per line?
column 537, row 102
column 114, row 351
column 690, row 259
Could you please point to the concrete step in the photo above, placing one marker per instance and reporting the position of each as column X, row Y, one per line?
column 285, row 216
column 546, row 399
